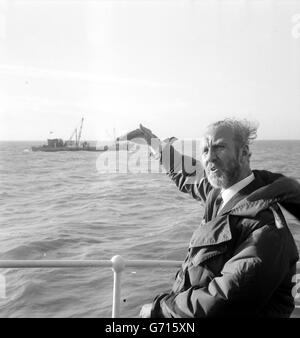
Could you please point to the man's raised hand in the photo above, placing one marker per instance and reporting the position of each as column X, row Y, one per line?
column 140, row 135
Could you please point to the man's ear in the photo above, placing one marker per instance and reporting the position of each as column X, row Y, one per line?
column 246, row 152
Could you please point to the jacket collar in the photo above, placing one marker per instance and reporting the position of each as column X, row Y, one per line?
column 266, row 190
column 229, row 193
column 216, row 231
column 243, row 193
column 284, row 190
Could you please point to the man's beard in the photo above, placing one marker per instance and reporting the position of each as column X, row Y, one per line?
column 225, row 177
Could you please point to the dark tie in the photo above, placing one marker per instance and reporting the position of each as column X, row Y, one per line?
column 217, row 204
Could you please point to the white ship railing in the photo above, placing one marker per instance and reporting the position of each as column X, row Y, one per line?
column 117, row 263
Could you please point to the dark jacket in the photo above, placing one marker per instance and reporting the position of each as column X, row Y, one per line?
column 240, row 262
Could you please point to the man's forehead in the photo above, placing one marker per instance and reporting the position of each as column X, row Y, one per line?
column 218, row 133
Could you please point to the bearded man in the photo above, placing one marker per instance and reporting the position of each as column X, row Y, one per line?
column 242, row 258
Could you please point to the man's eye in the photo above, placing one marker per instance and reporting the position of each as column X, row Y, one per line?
column 205, row 150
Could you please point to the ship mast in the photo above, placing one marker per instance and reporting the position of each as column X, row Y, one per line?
column 79, row 135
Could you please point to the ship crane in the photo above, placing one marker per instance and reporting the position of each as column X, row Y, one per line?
column 77, row 135
column 71, row 137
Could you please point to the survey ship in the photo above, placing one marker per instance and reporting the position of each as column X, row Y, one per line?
column 74, row 143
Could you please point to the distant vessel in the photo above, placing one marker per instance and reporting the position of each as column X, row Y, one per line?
column 58, row 144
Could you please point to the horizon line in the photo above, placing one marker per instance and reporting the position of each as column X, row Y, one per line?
column 36, row 140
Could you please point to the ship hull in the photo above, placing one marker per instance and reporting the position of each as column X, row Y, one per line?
column 56, row 149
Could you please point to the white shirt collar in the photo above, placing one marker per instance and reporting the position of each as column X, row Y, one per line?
column 228, row 193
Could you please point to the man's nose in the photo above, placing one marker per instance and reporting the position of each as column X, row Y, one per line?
column 211, row 155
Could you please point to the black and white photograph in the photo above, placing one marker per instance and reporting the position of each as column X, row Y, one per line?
column 150, row 160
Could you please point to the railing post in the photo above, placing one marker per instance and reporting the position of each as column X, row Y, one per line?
column 118, row 265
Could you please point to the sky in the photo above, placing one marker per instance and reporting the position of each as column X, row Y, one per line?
column 174, row 66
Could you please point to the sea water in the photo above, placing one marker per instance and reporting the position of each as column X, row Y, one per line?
column 59, row 206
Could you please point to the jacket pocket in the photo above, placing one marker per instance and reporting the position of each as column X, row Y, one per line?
column 203, row 254
column 206, row 263
column 179, row 281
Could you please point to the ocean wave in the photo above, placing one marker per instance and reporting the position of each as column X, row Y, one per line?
column 57, row 206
